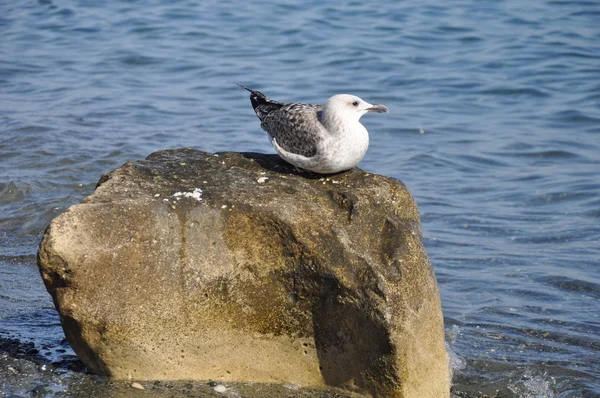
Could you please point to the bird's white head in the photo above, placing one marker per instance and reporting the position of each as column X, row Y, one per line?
column 350, row 106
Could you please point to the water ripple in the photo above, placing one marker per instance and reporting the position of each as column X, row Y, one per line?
column 493, row 125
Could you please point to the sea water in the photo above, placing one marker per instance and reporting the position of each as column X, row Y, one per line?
column 494, row 126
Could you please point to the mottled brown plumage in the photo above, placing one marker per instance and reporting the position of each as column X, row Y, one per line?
column 321, row 138
column 295, row 127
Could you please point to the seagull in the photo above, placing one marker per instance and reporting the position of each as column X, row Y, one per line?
column 323, row 139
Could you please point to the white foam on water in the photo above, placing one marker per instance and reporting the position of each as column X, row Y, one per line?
column 534, row 385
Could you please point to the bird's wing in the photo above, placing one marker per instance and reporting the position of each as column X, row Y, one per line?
column 295, row 127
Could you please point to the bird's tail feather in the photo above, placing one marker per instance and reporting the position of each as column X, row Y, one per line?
column 261, row 104
column 256, row 97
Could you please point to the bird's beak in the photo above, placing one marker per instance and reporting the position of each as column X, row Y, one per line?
column 377, row 109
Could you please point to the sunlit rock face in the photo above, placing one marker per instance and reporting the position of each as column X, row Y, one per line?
column 236, row 267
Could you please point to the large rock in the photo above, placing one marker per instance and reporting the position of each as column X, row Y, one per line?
column 230, row 266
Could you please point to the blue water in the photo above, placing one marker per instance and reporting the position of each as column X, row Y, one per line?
column 494, row 126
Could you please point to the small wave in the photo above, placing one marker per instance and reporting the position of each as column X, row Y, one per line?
column 527, row 178
column 575, row 117
column 33, row 129
column 534, row 385
column 28, row 207
column 552, row 198
column 482, row 160
column 22, row 259
column 516, row 91
column 136, row 59
column 593, row 213
column 456, row 362
column 12, row 192
column 546, row 239
column 572, row 285
column 554, row 153
column 147, row 29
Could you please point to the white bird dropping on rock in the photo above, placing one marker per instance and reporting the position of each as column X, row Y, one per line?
column 220, row 388
column 321, row 138
column 137, row 385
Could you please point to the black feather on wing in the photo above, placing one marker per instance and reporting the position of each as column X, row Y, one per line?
column 295, row 127
column 264, row 110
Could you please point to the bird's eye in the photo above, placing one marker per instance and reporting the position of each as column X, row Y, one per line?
column 355, row 103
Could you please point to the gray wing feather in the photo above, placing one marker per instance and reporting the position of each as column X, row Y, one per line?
column 295, row 127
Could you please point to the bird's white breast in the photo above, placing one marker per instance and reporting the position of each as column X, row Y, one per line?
column 345, row 148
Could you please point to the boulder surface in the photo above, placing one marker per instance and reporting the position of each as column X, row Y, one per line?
column 235, row 267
